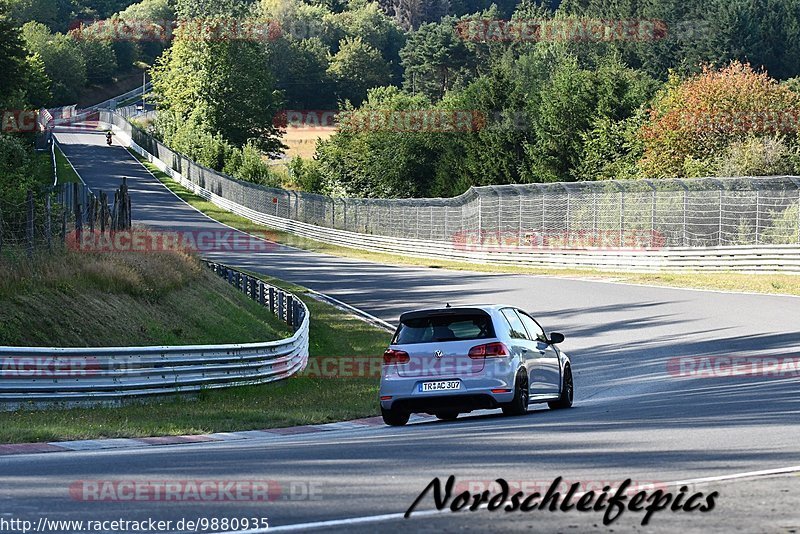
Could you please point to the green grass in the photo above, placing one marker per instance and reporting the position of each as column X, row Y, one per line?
column 787, row 284
column 41, row 168
column 73, row 299
column 66, row 174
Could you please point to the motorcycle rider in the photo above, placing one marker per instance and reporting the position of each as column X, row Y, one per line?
column 108, row 137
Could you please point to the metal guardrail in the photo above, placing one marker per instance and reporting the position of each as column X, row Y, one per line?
column 112, row 103
column 752, row 258
column 33, row 374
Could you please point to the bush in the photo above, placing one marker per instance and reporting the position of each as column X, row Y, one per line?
column 15, row 162
column 249, row 165
column 785, row 228
column 306, row 175
column 757, row 156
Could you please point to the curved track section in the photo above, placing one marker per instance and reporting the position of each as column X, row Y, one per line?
column 635, row 416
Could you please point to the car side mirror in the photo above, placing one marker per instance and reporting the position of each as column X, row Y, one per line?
column 556, row 338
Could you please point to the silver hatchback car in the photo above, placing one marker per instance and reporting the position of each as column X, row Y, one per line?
column 454, row 360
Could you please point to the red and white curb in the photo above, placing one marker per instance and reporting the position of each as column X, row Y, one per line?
column 271, row 434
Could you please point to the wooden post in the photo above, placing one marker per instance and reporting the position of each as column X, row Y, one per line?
column 63, row 226
column 123, row 205
column 48, row 230
column 103, row 212
column 29, row 225
column 77, row 212
column 114, row 212
column 91, row 208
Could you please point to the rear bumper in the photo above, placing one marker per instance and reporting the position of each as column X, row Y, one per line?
column 460, row 402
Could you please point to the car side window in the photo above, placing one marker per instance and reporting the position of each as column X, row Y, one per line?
column 517, row 328
column 533, row 327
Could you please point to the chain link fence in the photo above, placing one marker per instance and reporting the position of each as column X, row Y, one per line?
column 626, row 214
column 54, row 217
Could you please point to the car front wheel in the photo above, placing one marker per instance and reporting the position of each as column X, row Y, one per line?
column 394, row 417
column 567, row 392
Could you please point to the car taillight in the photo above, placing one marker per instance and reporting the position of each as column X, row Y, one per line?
column 395, row 356
column 489, row 350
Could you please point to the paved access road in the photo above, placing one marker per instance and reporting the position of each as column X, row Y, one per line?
column 632, row 419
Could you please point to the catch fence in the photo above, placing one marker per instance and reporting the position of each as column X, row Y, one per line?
column 703, row 212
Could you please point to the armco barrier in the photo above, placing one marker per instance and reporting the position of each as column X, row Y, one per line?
column 760, row 258
column 29, row 374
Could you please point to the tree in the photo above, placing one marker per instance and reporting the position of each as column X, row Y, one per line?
column 765, row 34
column 37, row 83
column 356, row 68
column 693, row 120
column 160, row 13
column 369, row 23
column 12, row 61
column 62, row 59
column 99, row 58
column 410, row 14
column 435, row 60
column 300, row 68
column 44, row 11
column 566, row 110
column 355, row 161
column 220, row 85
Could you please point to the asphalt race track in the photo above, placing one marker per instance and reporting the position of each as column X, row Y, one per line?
column 633, row 418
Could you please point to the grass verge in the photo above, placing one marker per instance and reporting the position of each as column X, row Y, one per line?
column 74, row 299
column 66, row 174
column 304, row 400
column 786, row 284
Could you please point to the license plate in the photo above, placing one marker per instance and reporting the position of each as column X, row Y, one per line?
column 443, row 385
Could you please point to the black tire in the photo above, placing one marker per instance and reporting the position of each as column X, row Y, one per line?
column 447, row 416
column 519, row 406
column 567, row 392
column 394, row 417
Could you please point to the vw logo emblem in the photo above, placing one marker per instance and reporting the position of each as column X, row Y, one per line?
column 438, row 354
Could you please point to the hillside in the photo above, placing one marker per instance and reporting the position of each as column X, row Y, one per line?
column 75, row 299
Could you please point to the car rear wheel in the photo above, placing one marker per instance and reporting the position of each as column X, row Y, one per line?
column 519, row 406
column 447, row 416
column 567, row 392
column 394, row 417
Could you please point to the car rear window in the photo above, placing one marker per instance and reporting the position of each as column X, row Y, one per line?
column 450, row 327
